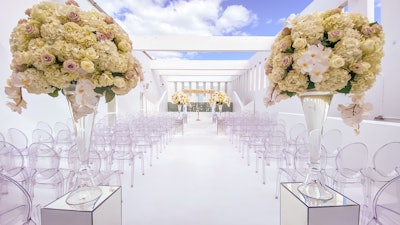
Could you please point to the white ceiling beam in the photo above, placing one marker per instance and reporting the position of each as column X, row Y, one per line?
column 322, row 5
column 198, row 78
column 164, row 64
column 185, row 43
column 199, row 72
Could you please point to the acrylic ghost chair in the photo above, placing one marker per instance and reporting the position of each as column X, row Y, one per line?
column 12, row 164
column 104, row 150
column 44, row 165
column 124, row 149
column 332, row 140
column 294, row 131
column 386, row 204
column 301, row 163
column 42, row 125
column 385, row 165
column 2, row 138
column 58, row 126
column 42, row 136
column 351, row 165
column 100, row 176
column 19, row 139
column 63, row 141
column 274, row 148
column 15, row 203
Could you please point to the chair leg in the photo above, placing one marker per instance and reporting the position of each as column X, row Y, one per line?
column 256, row 162
column 278, row 182
column 142, row 158
column 248, row 156
column 132, row 171
column 263, row 169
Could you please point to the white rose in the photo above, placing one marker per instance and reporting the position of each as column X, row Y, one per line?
column 299, row 43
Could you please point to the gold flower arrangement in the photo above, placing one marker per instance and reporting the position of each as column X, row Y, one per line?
column 180, row 98
column 59, row 45
column 220, row 98
column 333, row 51
column 198, row 91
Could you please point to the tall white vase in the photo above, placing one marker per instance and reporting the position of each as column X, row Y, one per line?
column 220, row 109
column 179, row 109
column 315, row 107
column 85, row 193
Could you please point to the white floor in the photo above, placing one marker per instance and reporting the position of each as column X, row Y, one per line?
column 199, row 179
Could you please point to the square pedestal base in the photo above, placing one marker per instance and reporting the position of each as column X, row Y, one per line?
column 297, row 210
column 107, row 210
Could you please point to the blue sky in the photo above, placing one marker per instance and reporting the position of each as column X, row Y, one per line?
column 203, row 17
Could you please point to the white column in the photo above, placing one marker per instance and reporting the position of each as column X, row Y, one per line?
column 365, row 7
column 390, row 16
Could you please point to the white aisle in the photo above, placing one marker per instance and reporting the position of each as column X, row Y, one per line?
column 200, row 179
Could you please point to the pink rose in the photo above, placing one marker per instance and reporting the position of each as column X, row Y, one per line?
column 72, row 2
column 130, row 75
column 109, row 20
column 74, row 17
column 30, row 29
column 22, row 21
column 109, row 35
column 285, row 31
column 28, row 12
column 367, row 31
column 286, row 61
column 335, row 35
column 70, row 65
column 101, row 36
column 48, row 59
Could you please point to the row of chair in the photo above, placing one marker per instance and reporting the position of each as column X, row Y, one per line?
column 46, row 164
column 341, row 164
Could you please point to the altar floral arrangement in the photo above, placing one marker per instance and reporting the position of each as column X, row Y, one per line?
column 59, row 45
column 180, row 98
column 220, row 98
column 333, row 51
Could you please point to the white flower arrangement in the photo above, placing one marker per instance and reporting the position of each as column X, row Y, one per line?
column 333, row 51
column 220, row 98
column 180, row 98
column 59, row 45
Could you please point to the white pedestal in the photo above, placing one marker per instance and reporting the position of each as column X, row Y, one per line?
column 296, row 210
column 179, row 125
column 108, row 210
column 221, row 127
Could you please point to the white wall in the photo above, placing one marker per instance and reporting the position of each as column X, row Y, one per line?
column 391, row 91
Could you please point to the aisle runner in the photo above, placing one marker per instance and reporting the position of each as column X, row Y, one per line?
column 199, row 179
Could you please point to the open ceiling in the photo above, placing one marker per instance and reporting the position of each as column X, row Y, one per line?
column 207, row 70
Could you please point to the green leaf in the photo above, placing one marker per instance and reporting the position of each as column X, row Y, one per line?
column 101, row 90
column 346, row 89
column 289, row 93
column 54, row 93
column 311, row 85
column 109, row 95
column 118, row 74
column 290, row 50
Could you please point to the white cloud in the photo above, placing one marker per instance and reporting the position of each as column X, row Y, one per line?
column 234, row 18
column 195, row 17
column 281, row 20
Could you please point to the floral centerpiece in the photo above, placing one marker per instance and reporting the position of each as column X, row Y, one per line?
column 333, row 51
column 85, row 55
column 180, row 98
column 315, row 57
column 59, row 45
column 220, row 98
